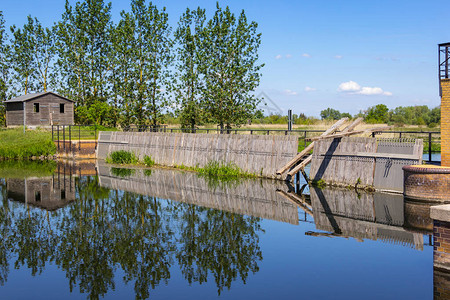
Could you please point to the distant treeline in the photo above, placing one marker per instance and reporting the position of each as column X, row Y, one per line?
column 139, row 69
column 408, row 115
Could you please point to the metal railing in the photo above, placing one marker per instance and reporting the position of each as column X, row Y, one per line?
column 64, row 135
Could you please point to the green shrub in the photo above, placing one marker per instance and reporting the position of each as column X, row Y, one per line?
column 148, row 161
column 121, row 157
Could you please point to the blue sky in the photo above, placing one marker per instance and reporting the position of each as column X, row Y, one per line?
column 347, row 55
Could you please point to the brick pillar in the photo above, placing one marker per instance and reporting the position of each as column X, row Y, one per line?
column 441, row 259
column 445, row 122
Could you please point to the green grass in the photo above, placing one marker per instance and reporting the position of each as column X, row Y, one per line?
column 122, row 157
column 223, row 170
column 15, row 144
column 148, row 161
column 23, row 169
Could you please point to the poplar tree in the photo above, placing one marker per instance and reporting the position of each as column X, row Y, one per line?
column 83, row 43
column 4, row 69
column 123, row 81
column 153, row 58
column 189, row 82
column 42, row 50
column 22, row 60
column 231, row 69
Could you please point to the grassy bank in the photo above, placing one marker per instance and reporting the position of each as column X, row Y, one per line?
column 15, row 144
column 211, row 169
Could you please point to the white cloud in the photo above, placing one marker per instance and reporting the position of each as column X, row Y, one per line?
column 354, row 88
column 290, row 93
column 338, row 56
column 288, row 55
column 306, row 55
column 309, row 89
column 279, row 56
column 349, row 86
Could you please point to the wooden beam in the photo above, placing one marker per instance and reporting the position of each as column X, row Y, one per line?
column 344, row 134
column 300, row 166
column 306, row 151
column 353, row 125
column 306, row 161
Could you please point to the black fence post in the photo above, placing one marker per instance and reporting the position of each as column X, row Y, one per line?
column 64, row 137
column 70, row 139
column 58, row 136
column 79, row 137
column 429, row 146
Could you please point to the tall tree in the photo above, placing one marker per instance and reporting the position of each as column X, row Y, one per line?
column 231, row 69
column 122, row 77
column 154, row 57
column 83, row 43
column 4, row 69
column 22, row 60
column 42, row 49
column 189, row 83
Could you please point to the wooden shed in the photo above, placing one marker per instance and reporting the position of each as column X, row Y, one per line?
column 39, row 109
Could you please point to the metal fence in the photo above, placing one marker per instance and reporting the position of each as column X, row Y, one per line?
column 65, row 135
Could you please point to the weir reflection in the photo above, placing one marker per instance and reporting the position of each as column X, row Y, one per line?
column 375, row 216
column 207, row 231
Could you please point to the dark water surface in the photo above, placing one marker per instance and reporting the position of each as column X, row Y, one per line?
column 80, row 231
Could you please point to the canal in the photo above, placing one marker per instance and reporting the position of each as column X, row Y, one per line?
column 91, row 231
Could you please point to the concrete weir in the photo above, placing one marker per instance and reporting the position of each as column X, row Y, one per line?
column 257, row 154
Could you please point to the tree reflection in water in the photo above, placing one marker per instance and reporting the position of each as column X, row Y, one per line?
column 106, row 230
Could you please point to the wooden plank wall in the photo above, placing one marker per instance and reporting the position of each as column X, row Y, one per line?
column 366, row 161
column 257, row 154
column 343, row 169
column 256, row 198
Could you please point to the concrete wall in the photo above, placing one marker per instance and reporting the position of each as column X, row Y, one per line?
column 445, row 123
column 261, row 155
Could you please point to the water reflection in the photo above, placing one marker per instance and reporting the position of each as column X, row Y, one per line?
column 376, row 216
column 96, row 227
column 107, row 230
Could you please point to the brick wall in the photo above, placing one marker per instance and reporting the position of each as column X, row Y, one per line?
column 445, row 122
column 426, row 182
column 441, row 259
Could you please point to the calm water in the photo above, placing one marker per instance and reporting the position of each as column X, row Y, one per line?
column 83, row 232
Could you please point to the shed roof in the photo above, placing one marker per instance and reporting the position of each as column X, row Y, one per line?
column 28, row 97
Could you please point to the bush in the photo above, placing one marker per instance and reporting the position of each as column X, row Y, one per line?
column 148, row 161
column 121, row 157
